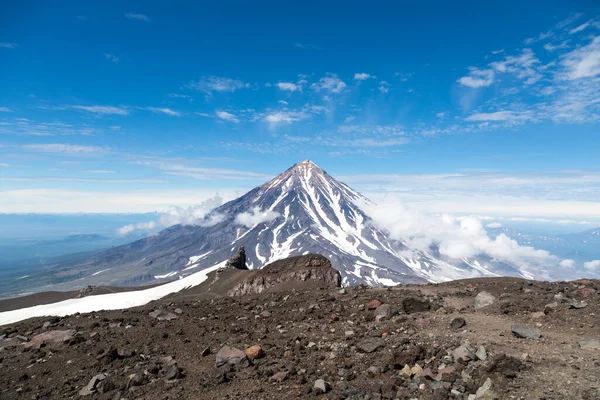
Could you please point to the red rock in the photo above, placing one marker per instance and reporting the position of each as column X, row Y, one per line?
column 587, row 291
column 427, row 374
column 265, row 314
column 51, row 337
column 334, row 317
column 373, row 304
column 255, row 352
column 384, row 334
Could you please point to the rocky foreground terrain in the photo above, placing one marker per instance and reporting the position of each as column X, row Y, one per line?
column 303, row 337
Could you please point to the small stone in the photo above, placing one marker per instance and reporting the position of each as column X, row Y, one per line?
column 484, row 392
column 577, row 304
column 416, row 370
column 373, row 304
column 173, row 373
column 413, row 305
column 265, row 314
column 406, row 371
column 255, row 352
column 279, row 376
column 483, row 299
column 481, row 353
column 457, row 323
column 349, row 333
column 551, row 305
column 370, row 345
column 334, row 317
column 589, row 344
column 162, row 315
column 205, row 352
column 342, row 291
column 230, row 355
column 538, row 314
column 178, row 311
column 90, row 388
column 525, row 332
column 464, row 353
column 320, row 386
column 51, row 337
column 374, row 371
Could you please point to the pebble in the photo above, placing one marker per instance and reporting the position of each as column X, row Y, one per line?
column 483, row 299
column 321, row 386
column 525, row 332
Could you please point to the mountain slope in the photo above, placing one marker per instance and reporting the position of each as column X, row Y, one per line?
column 303, row 210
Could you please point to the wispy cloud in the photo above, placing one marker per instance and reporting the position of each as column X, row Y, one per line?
column 211, row 84
column 307, row 46
column 510, row 116
column 288, row 86
column 75, row 179
column 541, row 36
column 69, row 149
column 5, row 109
column 363, row 76
column 8, row 45
column 4, row 165
column 24, row 126
column 477, row 78
column 224, row 115
column 579, row 28
column 104, row 110
column 164, row 110
column 99, row 171
column 139, row 17
column 203, row 173
column 180, row 96
column 554, row 47
column 111, row 57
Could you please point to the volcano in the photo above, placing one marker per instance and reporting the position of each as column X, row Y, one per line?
column 303, row 210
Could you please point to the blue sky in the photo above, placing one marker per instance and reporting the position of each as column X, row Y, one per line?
column 462, row 108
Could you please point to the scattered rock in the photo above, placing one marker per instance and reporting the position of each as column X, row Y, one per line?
column 205, row 352
column 370, row 345
column 321, row 386
column 51, row 337
column 230, row 355
column 538, row 314
column 279, row 376
column 373, row 304
column 458, row 323
column 162, row 315
column 483, row 299
column 384, row 311
column 90, row 388
column 525, row 332
column 173, row 372
column 255, row 352
column 484, row 392
column 481, row 353
column 577, row 304
column 464, row 353
column 412, row 305
column 589, row 344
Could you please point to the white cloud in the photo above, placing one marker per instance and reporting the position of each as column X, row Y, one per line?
column 455, row 238
column 330, row 83
column 164, row 110
column 197, row 215
column 579, row 28
column 103, row 109
column 139, row 17
column 567, row 264
column 7, row 45
column 362, row 76
column 542, row 36
column 494, row 225
column 283, row 102
column 212, row 84
column 5, row 109
column 349, row 119
column 583, row 62
column 179, row 96
column 441, row 114
column 288, row 86
column 61, row 148
column 497, row 51
column 227, row 116
column 477, row 78
column 592, row 266
column 255, row 217
column 99, row 171
column 111, row 57
column 4, row 165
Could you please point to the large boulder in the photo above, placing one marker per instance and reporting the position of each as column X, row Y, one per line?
column 238, row 260
column 311, row 270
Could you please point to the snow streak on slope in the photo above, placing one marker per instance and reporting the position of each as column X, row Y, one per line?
column 113, row 301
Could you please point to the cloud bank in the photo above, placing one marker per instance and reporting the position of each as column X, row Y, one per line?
column 255, row 217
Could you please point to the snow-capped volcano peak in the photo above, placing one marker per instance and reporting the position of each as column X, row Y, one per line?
column 302, row 210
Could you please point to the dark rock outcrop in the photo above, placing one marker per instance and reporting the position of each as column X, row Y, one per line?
column 311, row 268
column 238, row 260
